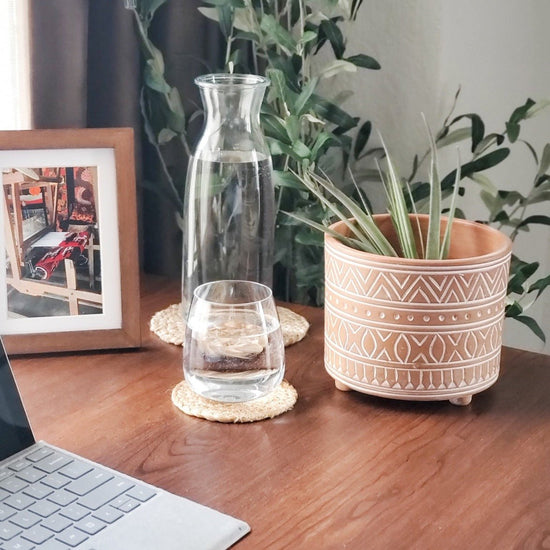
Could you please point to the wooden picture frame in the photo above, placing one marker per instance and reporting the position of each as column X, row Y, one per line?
column 69, row 268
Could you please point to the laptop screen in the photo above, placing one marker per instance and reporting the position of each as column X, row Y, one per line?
column 15, row 431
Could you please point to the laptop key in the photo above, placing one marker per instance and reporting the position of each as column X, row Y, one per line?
column 25, row 519
column 38, row 491
column 75, row 469
column 44, row 508
column 56, row 481
column 12, row 484
column 89, row 482
column 74, row 512
column 62, row 497
column 3, row 494
column 56, row 523
column 8, row 531
column 4, row 474
column 72, row 537
column 18, row 465
column 125, row 504
column 105, row 493
column 30, row 474
column 108, row 514
column 39, row 454
column 53, row 462
column 37, row 534
column 6, row 512
column 90, row 525
column 18, row 544
column 142, row 494
column 19, row 501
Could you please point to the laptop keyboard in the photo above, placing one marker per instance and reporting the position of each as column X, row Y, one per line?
column 50, row 500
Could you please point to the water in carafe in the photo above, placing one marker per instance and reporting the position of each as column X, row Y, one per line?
column 229, row 211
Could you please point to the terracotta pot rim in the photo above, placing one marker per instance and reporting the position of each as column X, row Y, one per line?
column 504, row 246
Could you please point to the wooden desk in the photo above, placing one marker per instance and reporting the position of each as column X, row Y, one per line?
column 341, row 470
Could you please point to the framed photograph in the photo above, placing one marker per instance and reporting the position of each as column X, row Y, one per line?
column 69, row 268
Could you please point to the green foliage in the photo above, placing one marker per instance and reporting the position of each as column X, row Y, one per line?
column 301, row 124
column 364, row 234
column 164, row 119
column 310, row 137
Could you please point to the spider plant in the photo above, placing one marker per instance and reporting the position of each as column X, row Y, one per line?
column 364, row 234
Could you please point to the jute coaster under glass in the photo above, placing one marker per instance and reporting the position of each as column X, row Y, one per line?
column 168, row 325
column 280, row 400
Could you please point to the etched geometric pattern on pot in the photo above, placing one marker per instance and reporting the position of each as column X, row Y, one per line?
column 405, row 346
column 416, row 283
column 413, row 315
column 412, row 384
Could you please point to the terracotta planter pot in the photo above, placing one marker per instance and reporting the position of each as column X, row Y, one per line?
column 417, row 329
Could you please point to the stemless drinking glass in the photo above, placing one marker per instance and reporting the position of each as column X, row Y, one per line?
column 234, row 348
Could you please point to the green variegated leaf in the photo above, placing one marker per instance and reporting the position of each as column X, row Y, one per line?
column 532, row 324
column 332, row 32
column 520, row 276
column 365, row 61
column 246, row 23
column 519, row 114
column 544, row 165
column 154, row 78
column 210, row 13
column 477, row 128
column 302, row 101
column 287, row 179
column 301, row 149
column 277, row 34
column 166, row 135
column 535, row 219
column 540, row 285
column 333, row 113
column 482, row 163
column 485, row 183
column 336, row 67
column 320, row 142
column 454, row 137
column 225, row 20
column 278, row 89
column 292, row 126
column 363, row 135
column 308, row 36
column 274, row 127
column 538, row 106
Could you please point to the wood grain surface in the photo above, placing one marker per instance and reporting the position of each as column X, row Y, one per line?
column 341, row 470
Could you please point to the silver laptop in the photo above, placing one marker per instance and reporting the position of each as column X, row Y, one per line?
column 51, row 499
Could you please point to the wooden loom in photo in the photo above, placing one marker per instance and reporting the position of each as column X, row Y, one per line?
column 15, row 183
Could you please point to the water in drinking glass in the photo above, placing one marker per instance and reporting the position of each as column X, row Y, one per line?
column 234, row 349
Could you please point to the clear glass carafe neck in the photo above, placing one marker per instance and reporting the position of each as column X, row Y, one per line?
column 232, row 105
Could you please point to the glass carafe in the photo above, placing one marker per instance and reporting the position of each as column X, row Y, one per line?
column 229, row 206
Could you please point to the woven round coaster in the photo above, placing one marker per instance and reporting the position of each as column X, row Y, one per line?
column 280, row 400
column 168, row 325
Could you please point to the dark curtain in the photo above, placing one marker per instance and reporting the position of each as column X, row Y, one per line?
column 86, row 72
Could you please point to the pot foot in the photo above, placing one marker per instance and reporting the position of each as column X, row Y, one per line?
column 340, row 386
column 461, row 401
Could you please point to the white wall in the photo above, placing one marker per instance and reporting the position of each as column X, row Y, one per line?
column 498, row 51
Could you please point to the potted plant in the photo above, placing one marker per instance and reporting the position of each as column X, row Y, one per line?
column 414, row 303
